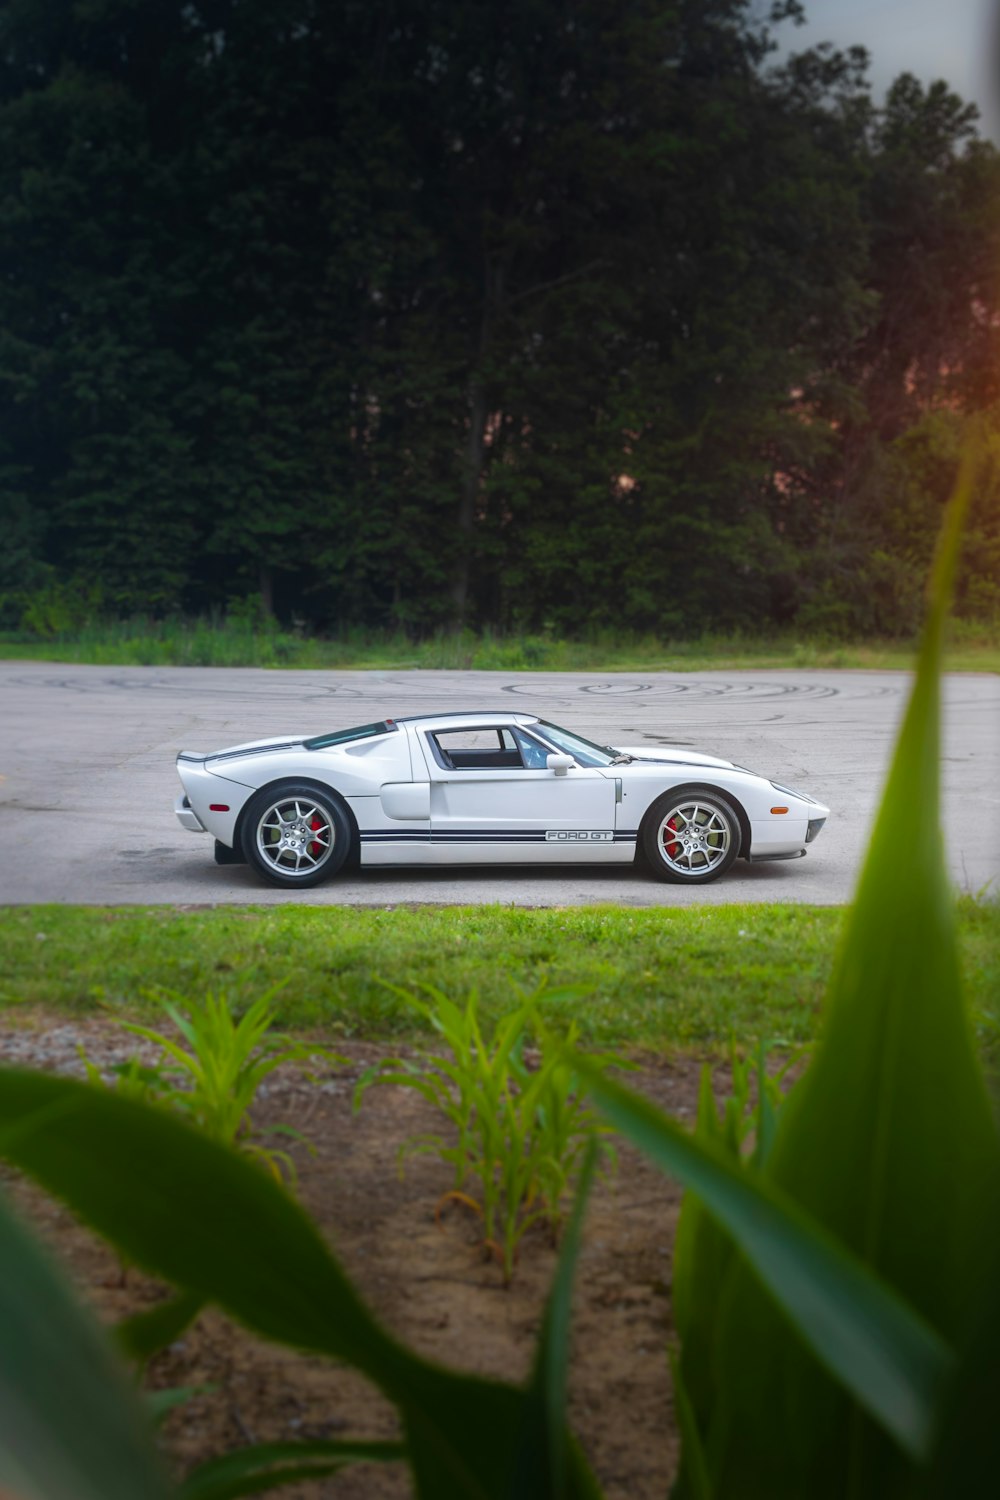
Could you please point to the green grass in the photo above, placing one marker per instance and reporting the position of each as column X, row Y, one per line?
column 665, row 979
column 235, row 643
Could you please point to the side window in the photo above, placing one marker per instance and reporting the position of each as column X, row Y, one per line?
column 476, row 749
column 475, row 741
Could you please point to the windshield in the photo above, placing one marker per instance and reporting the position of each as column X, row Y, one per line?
column 585, row 752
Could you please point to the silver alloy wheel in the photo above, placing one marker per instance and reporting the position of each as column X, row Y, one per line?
column 295, row 836
column 693, row 838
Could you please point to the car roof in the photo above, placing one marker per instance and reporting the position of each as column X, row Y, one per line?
column 462, row 717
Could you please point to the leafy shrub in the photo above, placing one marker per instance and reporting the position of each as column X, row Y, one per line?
column 61, row 607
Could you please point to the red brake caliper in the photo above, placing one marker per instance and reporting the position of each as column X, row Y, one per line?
column 315, row 823
column 673, row 848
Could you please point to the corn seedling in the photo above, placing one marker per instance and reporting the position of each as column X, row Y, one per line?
column 133, row 1079
column 562, row 1119
column 216, row 1077
column 750, row 1111
column 520, row 1124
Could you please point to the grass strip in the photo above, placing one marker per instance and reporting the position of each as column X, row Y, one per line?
column 974, row 647
column 674, row 979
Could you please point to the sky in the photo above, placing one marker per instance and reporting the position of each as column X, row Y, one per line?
column 957, row 40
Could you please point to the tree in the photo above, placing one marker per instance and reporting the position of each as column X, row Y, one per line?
column 926, row 354
column 418, row 313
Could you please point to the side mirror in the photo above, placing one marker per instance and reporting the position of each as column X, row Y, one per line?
column 559, row 763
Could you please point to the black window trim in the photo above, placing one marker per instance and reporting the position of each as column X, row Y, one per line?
column 430, row 735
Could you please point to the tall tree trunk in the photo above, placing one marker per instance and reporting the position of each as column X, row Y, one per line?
column 471, row 481
column 265, row 576
column 475, row 448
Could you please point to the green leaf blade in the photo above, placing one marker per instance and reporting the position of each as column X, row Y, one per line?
column 885, row 1353
column 887, row 1141
column 71, row 1426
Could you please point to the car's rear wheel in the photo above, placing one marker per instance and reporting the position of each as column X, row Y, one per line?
column 295, row 835
column 691, row 837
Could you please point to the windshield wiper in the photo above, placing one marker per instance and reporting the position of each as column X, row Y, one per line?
column 621, row 760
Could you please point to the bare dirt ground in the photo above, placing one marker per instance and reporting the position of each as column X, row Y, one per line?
column 430, row 1285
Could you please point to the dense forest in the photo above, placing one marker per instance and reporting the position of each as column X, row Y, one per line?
column 544, row 314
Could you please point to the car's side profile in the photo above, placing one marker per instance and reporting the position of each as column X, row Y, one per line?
column 483, row 788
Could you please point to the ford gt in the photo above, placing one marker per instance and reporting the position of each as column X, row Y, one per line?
column 483, row 788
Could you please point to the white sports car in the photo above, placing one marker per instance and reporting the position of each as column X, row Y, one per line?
column 483, row 788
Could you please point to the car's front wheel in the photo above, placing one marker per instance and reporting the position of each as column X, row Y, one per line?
column 691, row 837
column 295, row 835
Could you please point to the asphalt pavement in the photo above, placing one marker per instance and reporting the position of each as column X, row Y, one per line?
column 87, row 778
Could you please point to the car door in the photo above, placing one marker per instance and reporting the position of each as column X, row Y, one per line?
column 494, row 798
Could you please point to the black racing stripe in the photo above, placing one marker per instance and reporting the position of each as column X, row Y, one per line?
column 256, row 750
column 489, row 837
column 381, row 836
column 481, row 836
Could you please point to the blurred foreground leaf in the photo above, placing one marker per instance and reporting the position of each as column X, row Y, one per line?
column 71, row 1426
column 798, row 1365
column 221, row 1230
column 267, row 1466
column 888, row 1140
column 881, row 1349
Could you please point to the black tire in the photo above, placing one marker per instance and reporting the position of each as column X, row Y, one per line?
column 691, row 836
column 295, row 835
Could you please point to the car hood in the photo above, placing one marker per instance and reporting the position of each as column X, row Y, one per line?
column 669, row 757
